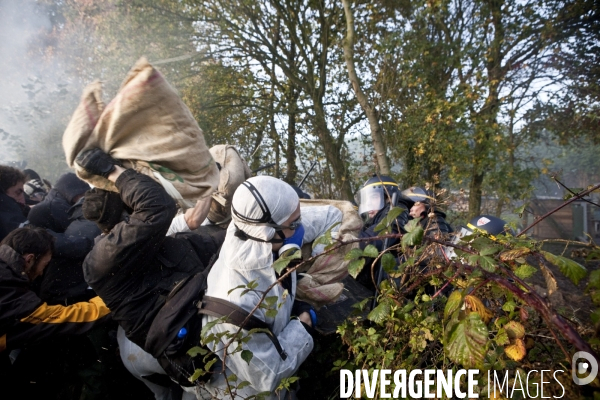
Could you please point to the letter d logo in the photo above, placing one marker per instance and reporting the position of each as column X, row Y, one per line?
column 581, row 367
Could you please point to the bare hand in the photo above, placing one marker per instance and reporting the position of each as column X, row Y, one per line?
column 195, row 216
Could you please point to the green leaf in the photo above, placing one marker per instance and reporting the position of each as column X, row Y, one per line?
column 282, row 262
column 232, row 378
column 270, row 300
column 569, row 268
column 287, row 382
column 242, row 385
column 412, row 225
column 197, row 374
column 247, row 356
column 502, row 337
column 454, row 303
column 325, row 239
column 361, row 305
column 321, row 240
column 209, row 325
column 520, row 210
column 388, row 262
column 525, row 271
column 390, row 218
column 481, row 243
column 489, row 250
column 412, row 238
column 353, row 254
column 379, row 313
column 272, row 313
column 485, row 262
column 355, row 267
column 509, row 306
column 466, row 341
column 594, row 279
column 258, row 330
column 194, row 351
column 371, row 251
column 237, row 287
column 209, row 364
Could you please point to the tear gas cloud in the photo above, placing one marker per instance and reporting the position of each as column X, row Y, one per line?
column 37, row 96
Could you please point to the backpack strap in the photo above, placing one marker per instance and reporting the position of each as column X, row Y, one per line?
column 236, row 315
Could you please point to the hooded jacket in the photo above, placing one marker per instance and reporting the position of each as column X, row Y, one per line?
column 25, row 318
column 53, row 212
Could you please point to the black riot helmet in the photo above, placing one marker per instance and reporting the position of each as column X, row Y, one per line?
column 374, row 193
column 489, row 224
column 416, row 194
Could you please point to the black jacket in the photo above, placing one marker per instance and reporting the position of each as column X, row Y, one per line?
column 12, row 214
column 53, row 212
column 135, row 266
column 63, row 281
column 25, row 318
column 435, row 224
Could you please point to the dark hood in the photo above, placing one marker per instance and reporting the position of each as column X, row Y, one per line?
column 70, row 186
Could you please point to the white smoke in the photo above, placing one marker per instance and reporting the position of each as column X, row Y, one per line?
column 33, row 89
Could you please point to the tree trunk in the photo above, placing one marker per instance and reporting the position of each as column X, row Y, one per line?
column 475, row 192
column 290, row 151
column 369, row 109
column 332, row 152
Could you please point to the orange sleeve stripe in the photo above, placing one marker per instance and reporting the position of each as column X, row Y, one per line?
column 2, row 343
column 78, row 312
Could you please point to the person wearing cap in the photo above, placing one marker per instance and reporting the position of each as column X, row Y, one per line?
column 431, row 219
column 267, row 222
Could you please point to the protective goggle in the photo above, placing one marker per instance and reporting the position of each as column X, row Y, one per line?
column 293, row 225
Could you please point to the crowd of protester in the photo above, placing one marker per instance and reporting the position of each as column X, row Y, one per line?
column 83, row 277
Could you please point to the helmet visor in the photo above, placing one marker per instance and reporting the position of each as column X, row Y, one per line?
column 370, row 198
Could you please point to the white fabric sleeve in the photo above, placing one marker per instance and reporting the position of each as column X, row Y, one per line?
column 178, row 225
column 317, row 220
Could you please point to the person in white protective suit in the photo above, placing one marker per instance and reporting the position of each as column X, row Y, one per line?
column 265, row 223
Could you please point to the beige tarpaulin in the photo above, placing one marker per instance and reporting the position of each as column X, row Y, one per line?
column 233, row 171
column 149, row 128
column 321, row 282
